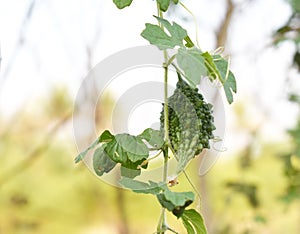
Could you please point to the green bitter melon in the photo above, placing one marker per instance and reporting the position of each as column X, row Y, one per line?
column 191, row 123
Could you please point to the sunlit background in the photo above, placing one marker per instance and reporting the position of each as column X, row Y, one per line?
column 48, row 47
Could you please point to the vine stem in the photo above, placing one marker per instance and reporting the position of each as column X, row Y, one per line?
column 166, row 109
column 195, row 22
column 186, row 175
column 162, row 224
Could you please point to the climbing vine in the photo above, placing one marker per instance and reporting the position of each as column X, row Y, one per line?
column 186, row 121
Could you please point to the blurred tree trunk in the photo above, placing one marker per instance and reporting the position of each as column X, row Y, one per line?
column 222, row 33
column 123, row 223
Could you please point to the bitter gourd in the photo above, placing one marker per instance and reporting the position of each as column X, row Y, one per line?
column 191, row 122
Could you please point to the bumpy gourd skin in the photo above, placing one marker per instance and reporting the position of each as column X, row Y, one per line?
column 190, row 122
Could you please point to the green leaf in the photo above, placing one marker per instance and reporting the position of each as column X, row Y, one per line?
column 179, row 198
column 164, row 202
column 177, row 32
column 157, row 36
column 176, row 202
column 189, row 43
column 122, row 3
column 84, row 153
column 193, row 222
column 175, row 1
column 101, row 162
column 229, row 83
column 130, row 173
column 230, row 87
column 192, row 63
column 128, row 150
column 153, row 137
column 188, row 227
column 133, row 146
column 106, row 136
column 141, row 187
column 163, row 4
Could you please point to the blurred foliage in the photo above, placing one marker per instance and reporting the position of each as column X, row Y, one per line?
column 58, row 102
column 43, row 191
column 295, row 4
column 52, row 195
column 256, row 183
column 247, row 189
column 248, row 201
column 291, row 31
column 291, row 160
column 55, row 196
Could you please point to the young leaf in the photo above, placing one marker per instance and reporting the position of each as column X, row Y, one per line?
column 163, row 4
column 156, row 35
column 141, row 187
column 84, row 153
column 189, row 43
column 175, row 1
column 122, row 3
column 101, row 162
column 128, row 150
column 193, row 222
column 175, row 201
column 106, row 136
column 211, row 66
column 153, row 137
column 192, row 63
